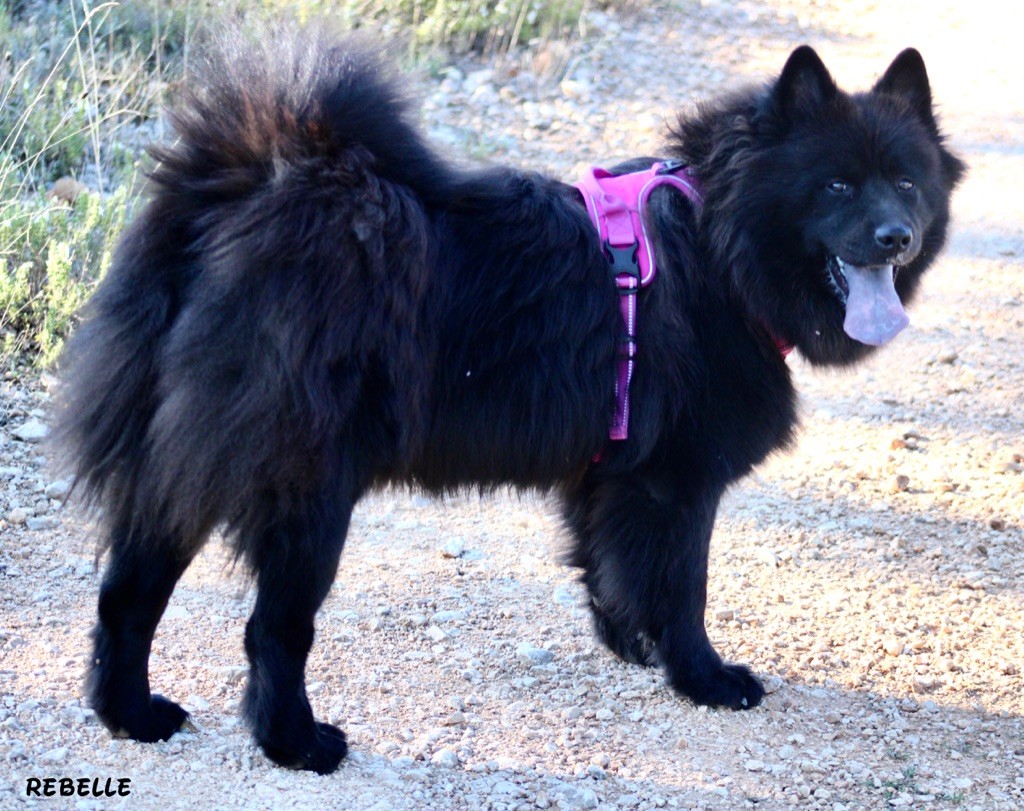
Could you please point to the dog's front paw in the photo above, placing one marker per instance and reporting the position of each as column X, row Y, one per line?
column 321, row 751
column 723, row 685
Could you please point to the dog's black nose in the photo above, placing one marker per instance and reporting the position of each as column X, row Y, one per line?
column 894, row 236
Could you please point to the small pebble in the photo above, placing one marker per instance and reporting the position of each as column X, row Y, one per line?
column 31, row 431
column 893, row 646
column 530, row 655
column 58, row 490
column 445, row 759
column 58, row 755
column 457, row 718
column 435, row 634
column 453, row 548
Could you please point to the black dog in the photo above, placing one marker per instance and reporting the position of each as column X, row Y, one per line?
column 313, row 304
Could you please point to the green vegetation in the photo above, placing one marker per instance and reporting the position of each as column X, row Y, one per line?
column 74, row 82
column 906, row 783
column 81, row 85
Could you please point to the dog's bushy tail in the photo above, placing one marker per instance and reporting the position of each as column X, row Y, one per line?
column 277, row 94
column 275, row 273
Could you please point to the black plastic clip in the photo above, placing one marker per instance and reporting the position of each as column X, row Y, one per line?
column 670, row 167
column 624, row 262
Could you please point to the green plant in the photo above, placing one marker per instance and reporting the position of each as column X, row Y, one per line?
column 490, row 26
column 53, row 256
column 68, row 91
column 905, row 783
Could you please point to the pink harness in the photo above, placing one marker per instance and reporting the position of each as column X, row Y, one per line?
column 616, row 205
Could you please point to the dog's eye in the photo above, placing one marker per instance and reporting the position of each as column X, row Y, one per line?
column 905, row 184
column 838, row 187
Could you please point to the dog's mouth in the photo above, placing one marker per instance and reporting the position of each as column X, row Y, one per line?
column 836, row 278
column 874, row 312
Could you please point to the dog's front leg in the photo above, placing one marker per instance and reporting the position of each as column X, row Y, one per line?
column 643, row 542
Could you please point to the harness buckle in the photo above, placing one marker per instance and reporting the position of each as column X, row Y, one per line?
column 624, row 262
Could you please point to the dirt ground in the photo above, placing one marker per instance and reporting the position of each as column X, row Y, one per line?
column 873, row 576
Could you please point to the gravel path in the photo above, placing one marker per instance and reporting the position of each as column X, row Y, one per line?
column 873, row 576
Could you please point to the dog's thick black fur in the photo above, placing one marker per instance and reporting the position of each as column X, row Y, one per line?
column 313, row 303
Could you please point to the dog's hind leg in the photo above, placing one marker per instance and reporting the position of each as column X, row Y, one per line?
column 295, row 559
column 612, row 626
column 140, row 576
column 620, row 637
column 645, row 552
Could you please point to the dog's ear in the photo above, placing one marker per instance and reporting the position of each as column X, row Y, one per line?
column 804, row 86
column 907, row 78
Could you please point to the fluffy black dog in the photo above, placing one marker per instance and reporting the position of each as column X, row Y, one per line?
column 313, row 303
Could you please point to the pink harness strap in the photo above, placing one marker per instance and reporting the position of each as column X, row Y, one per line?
column 616, row 206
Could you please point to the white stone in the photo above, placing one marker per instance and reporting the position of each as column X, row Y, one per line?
column 58, row 755
column 529, row 655
column 58, row 490
column 445, row 759
column 453, row 548
column 31, row 431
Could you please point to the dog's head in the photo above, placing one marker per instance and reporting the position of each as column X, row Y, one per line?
column 834, row 204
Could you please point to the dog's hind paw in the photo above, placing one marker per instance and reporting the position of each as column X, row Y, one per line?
column 321, row 753
column 161, row 719
column 630, row 646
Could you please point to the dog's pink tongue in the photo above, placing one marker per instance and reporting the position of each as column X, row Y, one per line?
column 874, row 313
